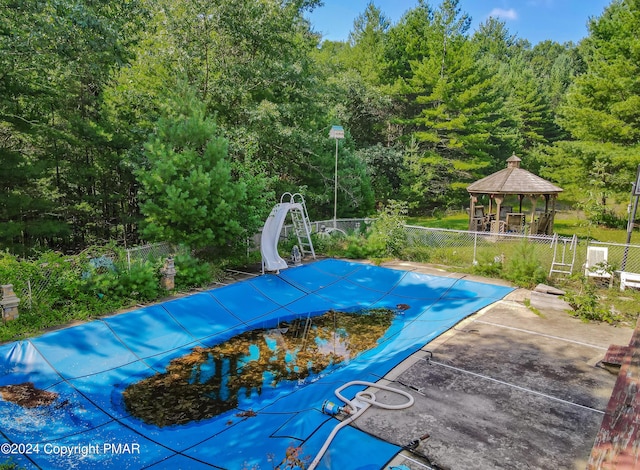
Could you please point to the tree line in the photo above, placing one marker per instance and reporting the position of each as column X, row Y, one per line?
column 183, row 120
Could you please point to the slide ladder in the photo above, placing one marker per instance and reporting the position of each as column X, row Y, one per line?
column 295, row 205
column 560, row 264
column 301, row 224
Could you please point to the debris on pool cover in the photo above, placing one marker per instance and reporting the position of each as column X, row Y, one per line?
column 27, row 395
column 210, row 381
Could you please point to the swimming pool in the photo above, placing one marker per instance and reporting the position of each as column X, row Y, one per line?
column 78, row 418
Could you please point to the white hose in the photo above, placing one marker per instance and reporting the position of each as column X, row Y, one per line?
column 366, row 400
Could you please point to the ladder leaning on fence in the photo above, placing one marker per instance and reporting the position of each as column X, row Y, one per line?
column 560, row 263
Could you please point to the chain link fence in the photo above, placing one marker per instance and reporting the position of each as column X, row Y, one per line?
column 463, row 249
column 344, row 226
column 451, row 248
column 153, row 252
column 38, row 281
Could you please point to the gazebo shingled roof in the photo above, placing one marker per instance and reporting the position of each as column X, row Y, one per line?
column 513, row 180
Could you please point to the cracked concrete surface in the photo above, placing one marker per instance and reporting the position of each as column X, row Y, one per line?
column 506, row 388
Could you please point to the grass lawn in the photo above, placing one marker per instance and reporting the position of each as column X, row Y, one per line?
column 459, row 221
column 567, row 223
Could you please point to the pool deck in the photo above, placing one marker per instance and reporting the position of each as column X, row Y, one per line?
column 506, row 388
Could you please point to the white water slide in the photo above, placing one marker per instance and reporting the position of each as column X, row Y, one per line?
column 271, row 259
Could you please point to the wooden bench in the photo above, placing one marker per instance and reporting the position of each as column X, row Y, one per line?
column 629, row 280
column 616, row 444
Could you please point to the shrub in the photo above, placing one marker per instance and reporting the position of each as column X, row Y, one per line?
column 140, row 282
column 191, row 272
column 362, row 247
column 419, row 254
column 587, row 305
column 388, row 228
column 523, row 266
column 488, row 266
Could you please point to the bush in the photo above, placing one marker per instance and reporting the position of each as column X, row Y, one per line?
column 140, row 282
column 587, row 304
column 523, row 267
column 362, row 247
column 388, row 228
column 419, row 254
column 65, row 288
column 191, row 272
column 489, row 266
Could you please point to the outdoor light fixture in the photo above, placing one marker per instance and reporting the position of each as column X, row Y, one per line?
column 336, row 132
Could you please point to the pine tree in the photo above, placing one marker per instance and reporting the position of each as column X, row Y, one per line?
column 460, row 128
column 188, row 195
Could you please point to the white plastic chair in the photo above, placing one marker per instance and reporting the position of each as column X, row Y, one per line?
column 597, row 259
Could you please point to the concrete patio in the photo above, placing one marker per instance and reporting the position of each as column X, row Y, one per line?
column 506, row 388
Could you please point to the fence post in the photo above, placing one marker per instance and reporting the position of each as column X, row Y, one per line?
column 9, row 303
column 475, row 247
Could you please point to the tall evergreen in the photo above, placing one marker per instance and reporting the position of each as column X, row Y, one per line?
column 460, row 127
column 187, row 190
column 601, row 111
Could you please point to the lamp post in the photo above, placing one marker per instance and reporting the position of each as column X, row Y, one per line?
column 336, row 132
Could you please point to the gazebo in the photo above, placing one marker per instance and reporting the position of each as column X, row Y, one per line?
column 512, row 183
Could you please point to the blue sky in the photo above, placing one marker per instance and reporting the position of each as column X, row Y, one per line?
column 535, row 20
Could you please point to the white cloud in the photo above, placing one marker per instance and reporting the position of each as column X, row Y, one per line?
column 509, row 14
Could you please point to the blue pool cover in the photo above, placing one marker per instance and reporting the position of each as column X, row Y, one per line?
column 88, row 367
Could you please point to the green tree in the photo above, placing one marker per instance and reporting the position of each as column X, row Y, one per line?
column 460, row 127
column 407, row 41
column 367, row 42
column 385, row 166
column 187, row 191
column 254, row 66
column 55, row 60
column 527, row 111
column 555, row 66
column 603, row 105
column 601, row 111
column 365, row 109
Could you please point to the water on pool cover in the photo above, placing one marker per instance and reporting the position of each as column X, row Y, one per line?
column 210, row 381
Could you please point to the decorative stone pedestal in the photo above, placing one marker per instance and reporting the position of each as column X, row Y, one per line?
column 9, row 303
column 296, row 256
column 168, row 272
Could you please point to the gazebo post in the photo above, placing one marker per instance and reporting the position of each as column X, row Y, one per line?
column 472, row 212
column 553, row 214
column 499, row 200
column 534, row 203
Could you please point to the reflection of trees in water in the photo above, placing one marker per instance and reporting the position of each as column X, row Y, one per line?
column 209, row 381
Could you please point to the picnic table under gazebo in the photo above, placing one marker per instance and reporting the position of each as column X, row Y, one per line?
column 512, row 184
